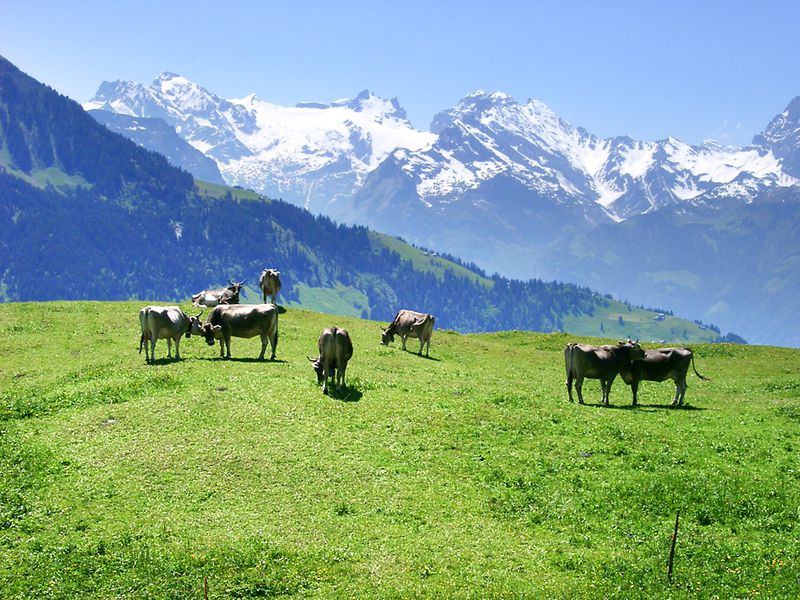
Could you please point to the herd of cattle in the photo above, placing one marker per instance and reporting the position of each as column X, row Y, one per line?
column 229, row 319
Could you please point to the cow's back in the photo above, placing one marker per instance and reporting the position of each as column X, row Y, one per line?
column 663, row 364
column 405, row 320
column 246, row 320
column 165, row 321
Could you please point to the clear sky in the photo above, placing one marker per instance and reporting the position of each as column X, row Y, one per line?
column 691, row 69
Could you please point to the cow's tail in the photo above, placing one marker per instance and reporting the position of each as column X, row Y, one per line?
column 568, row 353
column 141, row 342
column 695, row 369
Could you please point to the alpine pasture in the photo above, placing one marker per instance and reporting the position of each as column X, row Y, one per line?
column 464, row 475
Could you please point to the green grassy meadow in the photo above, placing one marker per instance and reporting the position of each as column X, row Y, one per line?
column 466, row 475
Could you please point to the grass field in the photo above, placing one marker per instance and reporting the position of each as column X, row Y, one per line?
column 466, row 475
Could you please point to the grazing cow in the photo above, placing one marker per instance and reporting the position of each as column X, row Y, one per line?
column 226, row 295
column 598, row 362
column 270, row 283
column 244, row 321
column 335, row 349
column 408, row 323
column 660, row 365
column 165, row 322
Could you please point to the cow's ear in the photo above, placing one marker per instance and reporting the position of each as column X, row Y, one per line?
column 216, row 328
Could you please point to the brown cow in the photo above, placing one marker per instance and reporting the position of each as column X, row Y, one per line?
column 660, row 365
column 226, row 295
column 165, row 322
column 409, row 323
column 598, row 362
column 270, row 283
column 335, row 349
column 244, row 321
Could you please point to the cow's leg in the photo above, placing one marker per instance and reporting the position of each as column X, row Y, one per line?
column 579, row 388
column 325, row 370
column 634, row 390
column 146, row 349
column 222, row 347
column 680, row 392
column 403, row 339
column 608, row 389
column 421, row 344
column 568, row 383
column 340, row 378
column 264, row 342
column 605, row 387
column 264, row 293
column 273, row 342
column 153, row 341
column 169, row 347
column 427, row 347
column 227, row 338
column 178, row 348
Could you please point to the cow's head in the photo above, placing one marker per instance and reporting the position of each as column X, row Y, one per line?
column 635, row 351
column 316, row 363
column 194, row 326
column 236, row 287
column 211, row 333
column 387, row 337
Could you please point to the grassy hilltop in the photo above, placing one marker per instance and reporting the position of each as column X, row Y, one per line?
column 468, row 474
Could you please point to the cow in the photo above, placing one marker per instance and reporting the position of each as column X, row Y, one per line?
column 335, row 349
column 226, row 295
column 165, row 322
column 244, row 321
column 409, row 323
column 598, row 362
column 660, row 365
column 270, row 283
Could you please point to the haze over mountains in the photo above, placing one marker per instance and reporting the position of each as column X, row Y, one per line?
column 516, row 189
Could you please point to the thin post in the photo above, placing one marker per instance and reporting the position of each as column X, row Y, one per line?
column 205, row 586
column 672, row 547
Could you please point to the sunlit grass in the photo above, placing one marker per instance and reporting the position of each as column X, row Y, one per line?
column 468, row 474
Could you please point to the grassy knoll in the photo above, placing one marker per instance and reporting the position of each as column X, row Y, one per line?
column 464, row 475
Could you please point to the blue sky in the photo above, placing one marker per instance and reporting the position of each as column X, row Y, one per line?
column 693, row 70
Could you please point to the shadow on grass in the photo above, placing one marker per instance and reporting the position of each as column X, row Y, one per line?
column 347, row 394
column 424, row 357
column 160, row 362
column 644, row 407
column 242, row 359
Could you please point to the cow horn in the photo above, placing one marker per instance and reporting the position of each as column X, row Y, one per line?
column 197, row 316
column 311, row 359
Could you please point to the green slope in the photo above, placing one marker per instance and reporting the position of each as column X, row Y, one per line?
column 464, row 475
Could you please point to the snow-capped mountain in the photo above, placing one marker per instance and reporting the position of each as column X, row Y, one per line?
column 326, row 156
column 782, row 136
column 159, row 136
column 313, row 154
column 504, row 179
column 206, row 121
column 487, row 136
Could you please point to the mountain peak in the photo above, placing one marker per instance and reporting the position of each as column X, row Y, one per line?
column 167, row 75
column 379, row 108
